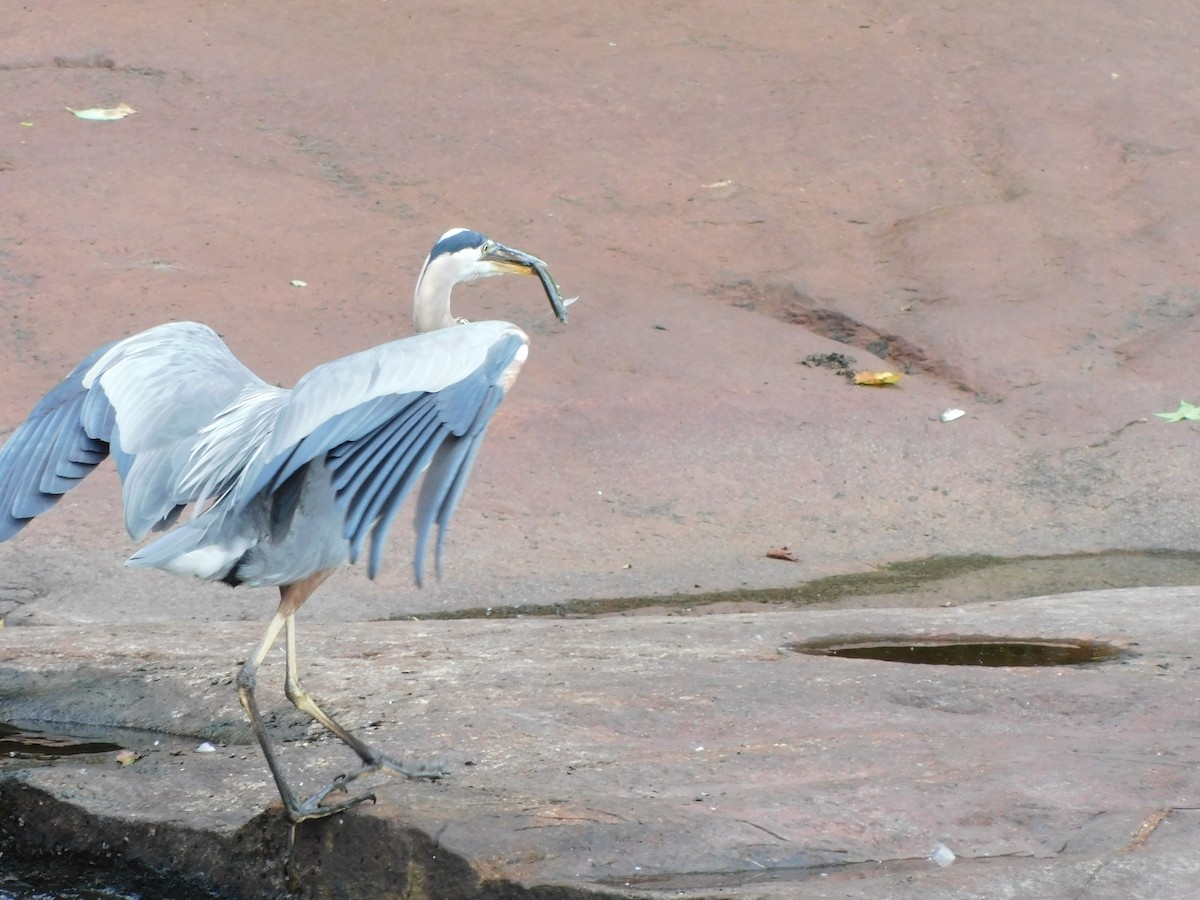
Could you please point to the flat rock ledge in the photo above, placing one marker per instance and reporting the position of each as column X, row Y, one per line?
column 641, row 756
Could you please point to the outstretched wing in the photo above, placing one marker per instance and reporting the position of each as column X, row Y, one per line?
column 380, row 418
column 145, row 400
column 64, row 438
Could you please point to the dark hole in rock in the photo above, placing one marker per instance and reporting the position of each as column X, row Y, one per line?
column 966, row 651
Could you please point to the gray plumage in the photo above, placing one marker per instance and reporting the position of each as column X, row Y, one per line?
column 284, row 485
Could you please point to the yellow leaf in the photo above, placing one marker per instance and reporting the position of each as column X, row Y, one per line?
column 876, row 378
column 104, row 115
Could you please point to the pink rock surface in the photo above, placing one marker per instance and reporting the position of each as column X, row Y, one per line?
column 998, row 200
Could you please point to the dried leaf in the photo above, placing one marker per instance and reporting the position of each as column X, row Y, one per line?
column 126, row 757
column 1186, row 411
column 876, row 378
column 104, row 115
column 1147, row 828
column 782, row 553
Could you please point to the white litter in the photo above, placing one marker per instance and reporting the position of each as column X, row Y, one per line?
column 942, row 855
column 104, row 115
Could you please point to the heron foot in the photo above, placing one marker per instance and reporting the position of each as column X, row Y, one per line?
column 315, row 807
column 429, row 770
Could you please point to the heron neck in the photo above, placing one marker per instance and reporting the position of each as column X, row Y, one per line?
column 431, row 305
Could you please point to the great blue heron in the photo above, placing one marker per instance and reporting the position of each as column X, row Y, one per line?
column 287, row 485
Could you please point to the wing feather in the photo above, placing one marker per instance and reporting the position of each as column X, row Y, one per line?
column 390, row 447
column 345, row 428
column 35, row 447
column 143, row 399
column 427, row 363
column 166, row 386
column 387, row 486
column 186, row 422
column 28, row 500
column 445, row 481
column 376, row 420
column 60, row 470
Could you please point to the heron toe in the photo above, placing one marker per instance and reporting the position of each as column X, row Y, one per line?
column 428, row 769
column 313, row 807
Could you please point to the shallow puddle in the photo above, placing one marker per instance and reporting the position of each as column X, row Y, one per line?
column 35, row 743
column 972, row 651
column 930, row 582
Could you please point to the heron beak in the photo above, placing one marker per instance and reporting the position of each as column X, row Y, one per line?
column 506, row 259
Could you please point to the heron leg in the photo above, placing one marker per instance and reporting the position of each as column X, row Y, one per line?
column 307, row 704
column 372, row 758
column 296, row 811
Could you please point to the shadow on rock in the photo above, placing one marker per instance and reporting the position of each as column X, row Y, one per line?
column 55, row 846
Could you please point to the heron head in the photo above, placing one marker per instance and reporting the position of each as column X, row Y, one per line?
column 468, row 255
column 464, row 255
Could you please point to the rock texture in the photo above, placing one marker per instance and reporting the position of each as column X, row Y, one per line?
column 997, row 201
column 695, row 756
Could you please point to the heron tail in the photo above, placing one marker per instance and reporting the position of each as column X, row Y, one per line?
column 189, row 550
